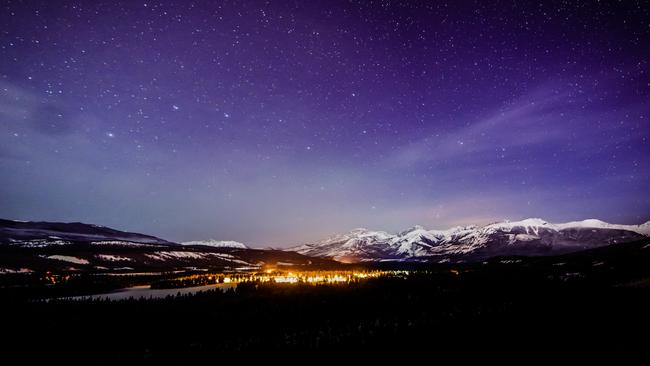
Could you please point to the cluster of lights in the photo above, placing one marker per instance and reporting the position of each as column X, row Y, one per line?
column 320, row 277
column 309, row 277
column 54, row 279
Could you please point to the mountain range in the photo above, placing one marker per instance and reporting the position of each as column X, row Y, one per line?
column 530, row 237
column 217, row 243
column 77, row 247
column 51, row 246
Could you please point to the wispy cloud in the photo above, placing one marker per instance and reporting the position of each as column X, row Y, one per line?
column 530, row 120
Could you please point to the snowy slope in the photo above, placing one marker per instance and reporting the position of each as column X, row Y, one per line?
column 526, row 237
column 217, row 243
column 27, row 247
column 643, row 229
column 39, row 234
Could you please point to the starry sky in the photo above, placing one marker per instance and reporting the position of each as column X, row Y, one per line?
column 280, row 122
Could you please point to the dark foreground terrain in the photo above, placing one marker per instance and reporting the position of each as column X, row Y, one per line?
column 588, row 305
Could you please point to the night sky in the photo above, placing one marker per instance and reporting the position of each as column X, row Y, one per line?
column 274, row 123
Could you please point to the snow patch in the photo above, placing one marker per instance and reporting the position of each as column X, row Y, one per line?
column 217, row 243
column 113, row 258
column 12, row 271
column 122, row 243
column 176, row 255
column 67, row 258
column 37, row 243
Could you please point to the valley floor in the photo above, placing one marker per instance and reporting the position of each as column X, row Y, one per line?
column 532, row 307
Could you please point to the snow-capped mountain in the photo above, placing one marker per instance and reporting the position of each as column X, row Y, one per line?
column 525, row 237
column 217, row 243
column 39, row 233
column 27, row 247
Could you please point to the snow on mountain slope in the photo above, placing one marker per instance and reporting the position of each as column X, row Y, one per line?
column 217, row 243
column 358, row 242
column 526, row 237
column 36, row 233
column 64, row 247
column 643, row 229
column 67, row 258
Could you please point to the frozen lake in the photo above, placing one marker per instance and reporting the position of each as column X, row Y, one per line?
column 146, row 292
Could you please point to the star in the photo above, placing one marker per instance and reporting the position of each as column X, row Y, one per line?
column 454, row 105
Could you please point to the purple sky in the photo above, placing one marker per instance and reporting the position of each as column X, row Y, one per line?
column 274, row 123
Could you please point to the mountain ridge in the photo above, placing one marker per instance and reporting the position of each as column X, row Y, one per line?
column 529, row 237
column 217, row 243
column 38, row 246
column 16, row 232
column 533, row 236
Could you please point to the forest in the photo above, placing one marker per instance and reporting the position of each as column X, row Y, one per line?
column 516, row 306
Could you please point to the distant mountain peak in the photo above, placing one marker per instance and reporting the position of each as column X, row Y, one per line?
column 411, row 229
column 535, row 221
column 532, row 236
column 217, row 243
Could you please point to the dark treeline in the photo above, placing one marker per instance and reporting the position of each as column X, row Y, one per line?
column 589, row 305
column 512, row 312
